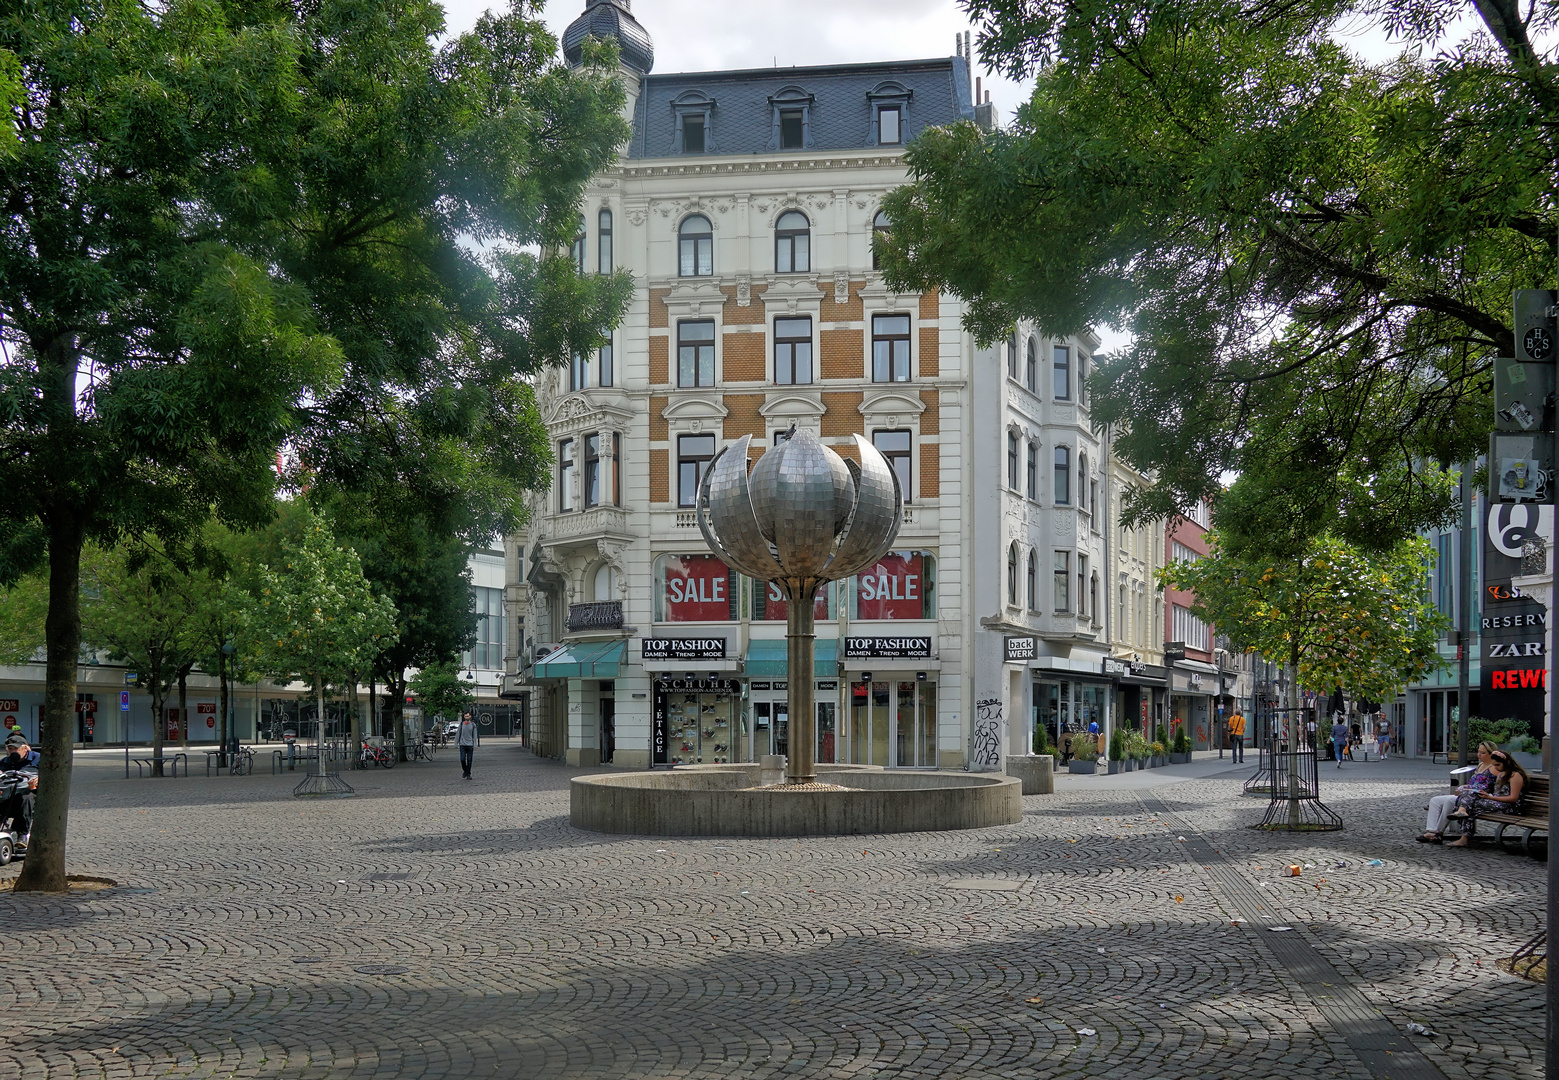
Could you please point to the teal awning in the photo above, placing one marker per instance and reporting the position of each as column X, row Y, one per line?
column 584, row 660
column 767, row 658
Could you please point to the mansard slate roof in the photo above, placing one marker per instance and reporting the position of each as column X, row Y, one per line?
column 608, row 19
column 840, row 98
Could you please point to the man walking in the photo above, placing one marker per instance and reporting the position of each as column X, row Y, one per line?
column 1237, row 737
column 1340, row 739
column 466, row 739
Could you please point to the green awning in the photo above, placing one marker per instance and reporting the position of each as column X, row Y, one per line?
column 768, row 658
column 585, row 660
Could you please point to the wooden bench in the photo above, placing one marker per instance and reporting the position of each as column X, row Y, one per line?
column 1533, row 817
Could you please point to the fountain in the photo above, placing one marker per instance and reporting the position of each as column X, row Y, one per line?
column 801, row 518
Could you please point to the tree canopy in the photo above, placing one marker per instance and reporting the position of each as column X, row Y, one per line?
column 1315, row 254
column 242, row 228
column 1338, row 614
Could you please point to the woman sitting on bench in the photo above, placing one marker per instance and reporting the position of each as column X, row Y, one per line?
column 1442, row 806
column 1504, row 797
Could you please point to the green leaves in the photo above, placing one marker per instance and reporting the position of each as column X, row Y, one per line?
column 1315, row 256
column 1345, row 616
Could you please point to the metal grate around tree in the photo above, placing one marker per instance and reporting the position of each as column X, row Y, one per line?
column 1295, row 802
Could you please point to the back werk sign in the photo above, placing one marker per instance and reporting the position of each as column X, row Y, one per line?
column 1513, row 633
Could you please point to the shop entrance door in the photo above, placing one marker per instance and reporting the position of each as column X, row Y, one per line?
column 608, row 729
column 826, row 711
column 893, row 724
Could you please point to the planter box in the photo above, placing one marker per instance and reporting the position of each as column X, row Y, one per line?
column 1087, row 766
column 1036, row 772
column 1160, row 760
column 1115, row 767
column 1179, row 759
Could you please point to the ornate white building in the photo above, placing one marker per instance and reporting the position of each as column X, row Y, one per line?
column 744, row 204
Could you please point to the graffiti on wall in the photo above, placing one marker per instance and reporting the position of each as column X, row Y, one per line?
column 985, row 750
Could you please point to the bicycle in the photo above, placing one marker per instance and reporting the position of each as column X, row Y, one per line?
column 378, row 755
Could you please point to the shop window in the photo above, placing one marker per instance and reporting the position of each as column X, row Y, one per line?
column 1063, row 373
column 696, row 247
column 566, row 475
column 1031, row 366
column 1063, row 475
column 694, row 453
column 1012, row 574
column 889, row 129
column 792, row 243
column 1012, row 461
column 1033, row 471
column 769, row 603
column 604, row 242
column 793, row 351
column 696, row 353
column 695, row 588
column 895, row 446
column 1031, row 591
column 890, row 348
column 1063, row 581
column 902, row 585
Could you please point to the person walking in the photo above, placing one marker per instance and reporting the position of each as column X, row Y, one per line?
column 467, row 739
column 1237, row 737
column 1382, row 737
column 1340, row 739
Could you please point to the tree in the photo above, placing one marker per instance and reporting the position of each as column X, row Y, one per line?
column 1315, row 255
column 22, row 610
column 237, row 226
column 1337, row 615
column 140, row 613
column 441, row 691
column 315, row 618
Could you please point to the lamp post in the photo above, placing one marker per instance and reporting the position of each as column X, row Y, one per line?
column 803, row 517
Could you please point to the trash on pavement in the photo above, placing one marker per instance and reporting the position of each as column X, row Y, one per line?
column 1419, row 1029
column 1086, row 1031
column 1374, row 862
column 1279, row 929
column 1292, row 871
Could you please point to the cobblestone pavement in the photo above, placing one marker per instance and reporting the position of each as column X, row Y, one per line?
column 435, row 928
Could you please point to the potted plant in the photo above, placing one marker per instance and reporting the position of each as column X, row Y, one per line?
column 1156, row 754
column 1180, row 751
column 1085, row 755
column 1139, row 750
column 1529, row 752
column 1117, row 752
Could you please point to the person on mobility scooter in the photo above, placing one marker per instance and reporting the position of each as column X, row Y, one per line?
column 18, row 783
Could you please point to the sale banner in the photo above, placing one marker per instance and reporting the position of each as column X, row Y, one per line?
column 895, row 588
column 696, row 588
column 771, row 605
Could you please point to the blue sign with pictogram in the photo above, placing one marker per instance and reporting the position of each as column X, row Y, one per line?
column 124, row 701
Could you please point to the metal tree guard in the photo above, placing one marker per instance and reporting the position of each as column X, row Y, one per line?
column 802, row 518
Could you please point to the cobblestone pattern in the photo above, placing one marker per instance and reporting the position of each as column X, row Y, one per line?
column 537, row 951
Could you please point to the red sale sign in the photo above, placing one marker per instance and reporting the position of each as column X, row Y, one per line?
column 696, row 588
column 776, row 608
column 893, row 589
column 206, row 707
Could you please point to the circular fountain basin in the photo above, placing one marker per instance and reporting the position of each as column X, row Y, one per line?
column 727, row 800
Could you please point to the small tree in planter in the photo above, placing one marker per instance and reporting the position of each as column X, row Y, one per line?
column 1156, row 753
column 1041, row 740
column 1117, row 751
column 1085, row 754
column 1180, row 752
column 1137, row 747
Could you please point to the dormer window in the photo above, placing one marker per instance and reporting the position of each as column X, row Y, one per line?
column 693, row 134
column 792, row 119
column 694, row 111
column 888, row 125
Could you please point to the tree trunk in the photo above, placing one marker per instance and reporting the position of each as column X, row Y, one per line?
column 357, row 726
column 184, row 705
column 1295, row 730
column 222, row 704
column 159, row 720
column 44, row 868
column 398, row 713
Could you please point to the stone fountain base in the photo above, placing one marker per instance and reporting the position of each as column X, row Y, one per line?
column 727, row 800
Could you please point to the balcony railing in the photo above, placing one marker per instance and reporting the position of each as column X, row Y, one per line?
column 602, row 615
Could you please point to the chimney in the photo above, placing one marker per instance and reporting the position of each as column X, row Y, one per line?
column 976, row 89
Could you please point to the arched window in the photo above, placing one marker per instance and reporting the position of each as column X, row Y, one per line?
column 577, row 253
column 1082, row 480
column 1012, row 461
column 696, row 247
column 605, row 584
column 1033, row 471
column 1031, row 366
column 1033, row 580
column 879, row 228
column 1093, row 596
column 604, row 242
column 792, row 243
column 1012, row 355
column 1012, row 574
column 1063, row 475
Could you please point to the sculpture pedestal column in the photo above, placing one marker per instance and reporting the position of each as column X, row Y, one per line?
column 801, row 645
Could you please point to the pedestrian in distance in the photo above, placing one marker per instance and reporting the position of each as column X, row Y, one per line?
column 1382, row 738
column 1340, row 739
column 1237, row 737
column 467, row 739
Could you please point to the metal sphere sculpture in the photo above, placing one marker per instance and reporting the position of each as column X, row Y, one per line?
column 803, row 517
